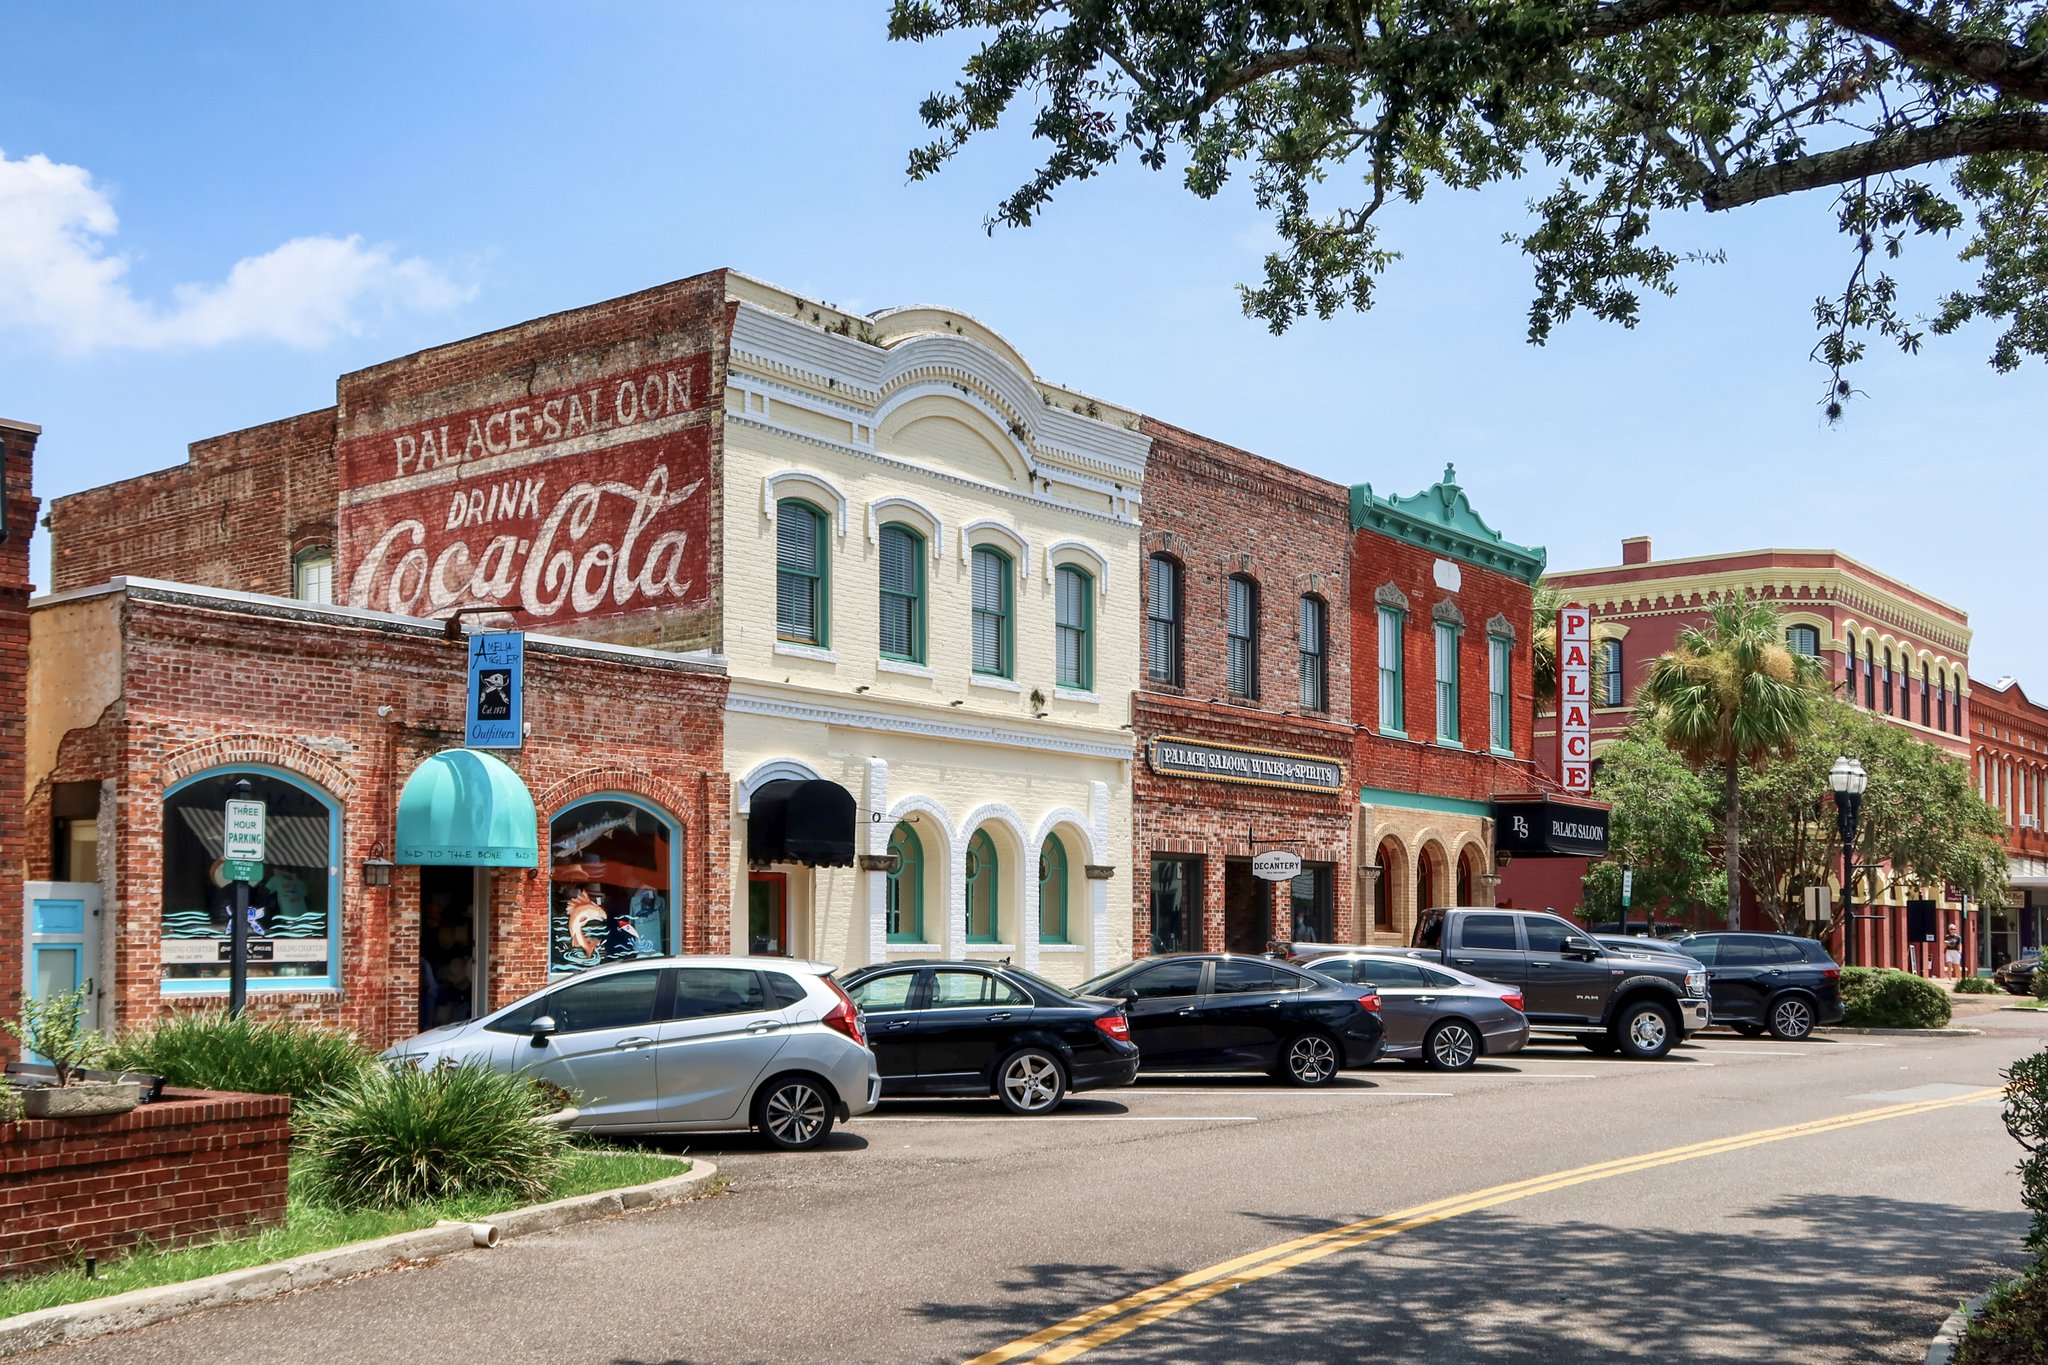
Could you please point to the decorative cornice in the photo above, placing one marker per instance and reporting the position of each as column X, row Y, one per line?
column 818, row 713
column 1447, row 611
column 1500, row 627
column 1440, row 519
column 1387, row 595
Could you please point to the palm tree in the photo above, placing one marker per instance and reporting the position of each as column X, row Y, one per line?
column 1732, row 694
column 1543, row 643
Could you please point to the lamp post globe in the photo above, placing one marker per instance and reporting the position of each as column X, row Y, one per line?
column 1846, row 780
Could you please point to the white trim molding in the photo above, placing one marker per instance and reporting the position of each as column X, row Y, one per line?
column 1001, row 530
column 774, row 770
column 1084, row 550
column 771, row 493
column 936, row 535
column 741, row 703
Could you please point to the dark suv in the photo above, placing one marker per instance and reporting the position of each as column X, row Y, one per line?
column 1779, row 982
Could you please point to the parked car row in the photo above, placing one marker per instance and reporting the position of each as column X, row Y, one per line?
column 691, row 1044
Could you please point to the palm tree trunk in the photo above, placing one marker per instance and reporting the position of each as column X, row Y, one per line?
column 1732, row 839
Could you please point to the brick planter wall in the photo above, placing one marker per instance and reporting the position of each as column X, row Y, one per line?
column 176, row 1171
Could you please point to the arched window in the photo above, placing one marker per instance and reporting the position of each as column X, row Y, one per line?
column 984, row 899
column 1926, row 695
column 612, row 883
column 1383, row 890
column 1955, row 711
column 1803, row 640
column 1610, row 672
column 1465, row 880
column 313, row 574
column 1315, row 654
column 1888, row 680
column 994, row 630
column 1849, row 672
column 1941, row 703
column 1162, row 620
column 1241, row 621
column 1073, row 592
column 1425, row 883
column 902, row 624
column 1052, row 891
column 802, row 580
column 906, row 886
column 292, row 909
column 1869, row 676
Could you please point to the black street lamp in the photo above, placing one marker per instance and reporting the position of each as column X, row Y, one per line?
column 1847, row 779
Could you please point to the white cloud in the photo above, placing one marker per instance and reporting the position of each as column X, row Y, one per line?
column 59, row 282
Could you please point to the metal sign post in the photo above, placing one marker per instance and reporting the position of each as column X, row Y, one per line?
column 242, row 839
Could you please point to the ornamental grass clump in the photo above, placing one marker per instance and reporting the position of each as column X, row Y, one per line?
column 1975, row 985
column 387, row 1138
column 211, row 1050
column 1880, row 997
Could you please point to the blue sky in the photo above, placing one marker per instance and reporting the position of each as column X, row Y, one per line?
column 235, row 204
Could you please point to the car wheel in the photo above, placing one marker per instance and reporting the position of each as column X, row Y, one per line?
column 1645, row 1031
column 1451, row 1046
column 1791, row 1018
column 1602, row 1044
column 1749, row 1030
column 1031, row 1082
column 794, row 1113
column 1310, row 1059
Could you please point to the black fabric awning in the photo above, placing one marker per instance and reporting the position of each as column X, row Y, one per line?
column 807, row 822
column 1538, row 826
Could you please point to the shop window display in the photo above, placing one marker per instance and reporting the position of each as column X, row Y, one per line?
column 612, row 885
column 290, row 908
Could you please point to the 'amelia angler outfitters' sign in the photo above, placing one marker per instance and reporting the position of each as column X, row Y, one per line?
column 1229, row 763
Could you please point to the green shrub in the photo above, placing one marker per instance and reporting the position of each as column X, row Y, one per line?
column 1879, row 997
column 388, row 1137
column 50, row 1028
column 1976, row 985
column 208, row 1050
column 2026, row 1118
column 2040, row 982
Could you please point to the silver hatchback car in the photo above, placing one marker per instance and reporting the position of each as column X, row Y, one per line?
column 1433, row 1013
column 682, row 1045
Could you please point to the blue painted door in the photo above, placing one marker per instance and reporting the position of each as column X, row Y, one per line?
column 63, row 941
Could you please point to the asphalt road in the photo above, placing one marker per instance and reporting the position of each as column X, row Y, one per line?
column 1741, row 1201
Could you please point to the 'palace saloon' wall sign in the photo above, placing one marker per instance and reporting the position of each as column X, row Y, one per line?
column 1228, row 763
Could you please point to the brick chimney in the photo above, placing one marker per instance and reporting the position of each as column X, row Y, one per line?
column 1635, row 550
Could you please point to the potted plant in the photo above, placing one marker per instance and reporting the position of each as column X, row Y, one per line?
column 50, row 1029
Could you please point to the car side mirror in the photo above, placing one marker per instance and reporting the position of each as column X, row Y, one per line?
column 542, row 1029
column 1584, row 952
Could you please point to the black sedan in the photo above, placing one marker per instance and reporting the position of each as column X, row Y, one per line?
column 1216, row 1012
column 2018, row 977
column 983, row 1028
column 1780, row 982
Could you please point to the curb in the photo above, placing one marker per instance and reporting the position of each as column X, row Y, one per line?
column 141, row 1307
column 2021, row 1009
column 1907, row 1032
column 1942, row 1350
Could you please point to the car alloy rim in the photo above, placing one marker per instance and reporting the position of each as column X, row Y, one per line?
column 1647, row 1030
column 1313, row 1058
column 1032, row 1082
column 1793, row 1017
column 796, row 1113
column 1453, row 1046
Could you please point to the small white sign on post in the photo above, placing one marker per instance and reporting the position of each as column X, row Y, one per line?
column 242, row 838
column 1277, row 865
column 1817, row 899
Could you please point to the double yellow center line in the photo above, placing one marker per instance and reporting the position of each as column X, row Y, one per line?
column 1085, row 1332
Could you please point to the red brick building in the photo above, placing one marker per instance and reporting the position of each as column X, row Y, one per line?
column 2009, row 754
column 17, row 525
column 1243, row 719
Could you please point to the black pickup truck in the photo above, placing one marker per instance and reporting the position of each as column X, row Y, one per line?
column 1638, row 1006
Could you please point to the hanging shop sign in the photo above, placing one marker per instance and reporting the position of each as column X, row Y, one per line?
column 1541, row 827
column 495, row 717
column 1277, row 865
column 1177, row 757
column 1575, row 698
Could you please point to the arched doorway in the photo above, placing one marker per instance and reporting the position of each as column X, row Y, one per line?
column 1468, row 877
column 1426, row 878
column 1388, row 860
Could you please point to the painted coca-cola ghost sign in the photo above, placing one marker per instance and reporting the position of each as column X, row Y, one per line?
column 558, row 507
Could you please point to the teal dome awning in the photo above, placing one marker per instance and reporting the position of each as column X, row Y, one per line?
column 462, row 808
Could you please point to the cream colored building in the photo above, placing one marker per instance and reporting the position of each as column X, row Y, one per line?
column 930, row 560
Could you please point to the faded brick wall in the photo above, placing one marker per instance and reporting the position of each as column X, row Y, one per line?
column 206, row 687
column 232, row 516
column 17, row 459
column 1218, row 511
column 195, row 1163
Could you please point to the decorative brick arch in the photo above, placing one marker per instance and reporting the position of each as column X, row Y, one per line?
column 245, row 750
column 668, row 800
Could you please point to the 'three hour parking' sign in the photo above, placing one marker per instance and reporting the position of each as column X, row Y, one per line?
column 1575, row 698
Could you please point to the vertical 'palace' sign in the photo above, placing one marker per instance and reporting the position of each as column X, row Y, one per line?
column 1575, row 698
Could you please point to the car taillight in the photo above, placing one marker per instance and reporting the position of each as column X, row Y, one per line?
column 844, row 1017
column 1831, row 973
column 1513, row 1000
column 1370, row 1002
column 1115, row 1026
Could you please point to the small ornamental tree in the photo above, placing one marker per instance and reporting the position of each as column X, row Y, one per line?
column 50, row 1027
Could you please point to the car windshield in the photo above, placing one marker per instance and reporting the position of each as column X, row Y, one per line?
column 1094, row 985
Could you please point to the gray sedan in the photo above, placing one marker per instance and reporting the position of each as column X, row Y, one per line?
column 1432, row 1013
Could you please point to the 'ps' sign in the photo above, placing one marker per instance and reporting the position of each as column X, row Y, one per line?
column 1575, row 698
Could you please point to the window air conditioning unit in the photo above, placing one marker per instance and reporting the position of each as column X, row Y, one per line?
column 2030, row 822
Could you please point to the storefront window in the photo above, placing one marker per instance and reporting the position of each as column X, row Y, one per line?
column 984, row 871
column 612, row 885
column 291, row 906
column 1315, row 904
column 1052, row 891
column 1176, row 903
column 905, row 907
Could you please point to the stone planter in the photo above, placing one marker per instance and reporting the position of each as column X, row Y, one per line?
column 87, row 1099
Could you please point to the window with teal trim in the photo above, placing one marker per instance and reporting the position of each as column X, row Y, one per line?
column 1074, row 625
column 1393, row 718
column 1447, row 682
column 612, row 883
column 994, row 637
column 294, row 903
column 1609, row 681
column 902, row 626
column 906, row 887
column 802, row 581
column 1500, row 663
column 1052, row 891
column 984, row 899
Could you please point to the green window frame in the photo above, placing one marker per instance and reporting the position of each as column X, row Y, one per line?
column 902, row 624
column 1393, row 707
column 984, row 891
column 1052, row 891
column 803, row 580
column 1074, row 627
column 995, row 626
column 1446, row 682
column 1500, row 665
column 1610, row 672
column 905, row 895
column 1314, row 654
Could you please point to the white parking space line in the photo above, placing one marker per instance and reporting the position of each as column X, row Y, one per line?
column 1282, row 1094
column 1065, row 1118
